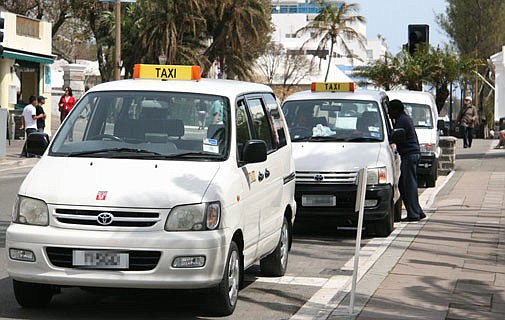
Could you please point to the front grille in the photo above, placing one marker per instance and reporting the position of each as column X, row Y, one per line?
column 120, row 218
column 138, row 260
column 343, row 177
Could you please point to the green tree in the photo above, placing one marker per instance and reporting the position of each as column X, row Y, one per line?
column 164, row 28
column 334, row 24
column 436, row 67
column 240, row 31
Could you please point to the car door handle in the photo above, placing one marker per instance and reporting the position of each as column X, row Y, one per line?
column 267, row 173
column 261, row 176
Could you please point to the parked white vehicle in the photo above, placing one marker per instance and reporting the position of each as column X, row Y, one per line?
column 421, row 107
column 136, row 192
column 336, row 131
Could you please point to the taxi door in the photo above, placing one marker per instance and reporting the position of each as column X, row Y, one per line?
column 394, row 154
column 251, row 198
column 270, row 175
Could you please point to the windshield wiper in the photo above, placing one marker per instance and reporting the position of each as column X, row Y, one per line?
column 362, row 139
column 325, row 138
column 115, row 150
column 193, row 154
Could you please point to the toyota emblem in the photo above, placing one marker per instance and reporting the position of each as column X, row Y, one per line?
column 105, row 218
column 318, row 177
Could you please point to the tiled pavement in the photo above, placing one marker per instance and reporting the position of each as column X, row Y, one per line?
column 455, row 267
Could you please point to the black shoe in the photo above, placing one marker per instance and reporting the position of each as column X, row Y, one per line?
column 410, row 219
column 422, row 216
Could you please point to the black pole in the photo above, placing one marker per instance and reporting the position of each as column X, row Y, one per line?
column 450, row 109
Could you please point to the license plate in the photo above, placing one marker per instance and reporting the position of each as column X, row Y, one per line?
column 103, row 259
column 319, row 201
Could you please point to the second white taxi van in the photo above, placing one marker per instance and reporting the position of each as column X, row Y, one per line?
column 178, row 184
column 421, row 107
column 336, row 131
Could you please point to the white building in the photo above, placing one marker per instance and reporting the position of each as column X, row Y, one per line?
column 498, row 60
column 288, row 16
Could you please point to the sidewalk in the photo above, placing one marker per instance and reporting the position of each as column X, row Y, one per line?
column 453, row 266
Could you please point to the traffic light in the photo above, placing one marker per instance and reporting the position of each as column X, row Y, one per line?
column 418, row 34
column 2, row 22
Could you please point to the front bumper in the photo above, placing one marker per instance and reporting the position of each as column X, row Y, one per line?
column 211, row 244
column 427, row 165
column 345, row 202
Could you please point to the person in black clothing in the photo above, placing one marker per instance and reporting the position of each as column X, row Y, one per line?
column 410, row 156
column 41, row 121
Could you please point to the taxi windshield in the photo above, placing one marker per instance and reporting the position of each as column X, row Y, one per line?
column 146, row 125
column 334, row 120
column 420, row 114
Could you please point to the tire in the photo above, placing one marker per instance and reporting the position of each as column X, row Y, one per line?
column 226, row 297
column 276, row 263
column 432, row 178
column 385, row 226
column 398, row 210
column 32, row 295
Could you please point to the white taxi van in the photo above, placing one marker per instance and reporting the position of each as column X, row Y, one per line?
column 335, row 132
column 157, row 184
column 421, row 107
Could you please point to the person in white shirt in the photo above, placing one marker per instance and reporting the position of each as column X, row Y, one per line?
column 29, row 119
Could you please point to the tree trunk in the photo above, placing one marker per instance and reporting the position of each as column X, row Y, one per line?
column 441, row 96
column 329, row 62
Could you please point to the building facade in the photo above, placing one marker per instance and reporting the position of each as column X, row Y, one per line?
column 25, row 64
column 289, row 16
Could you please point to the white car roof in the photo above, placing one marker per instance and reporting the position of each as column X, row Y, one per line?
column 369, row 95
column 228, row 88
column 412, row 96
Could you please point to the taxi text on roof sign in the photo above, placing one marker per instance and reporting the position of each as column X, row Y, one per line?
column 333, row 86
column 166, row 72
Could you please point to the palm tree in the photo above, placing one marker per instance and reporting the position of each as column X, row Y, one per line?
column 334, row 23
column 240, row 31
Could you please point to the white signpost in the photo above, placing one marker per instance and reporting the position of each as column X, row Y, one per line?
column 360, row 205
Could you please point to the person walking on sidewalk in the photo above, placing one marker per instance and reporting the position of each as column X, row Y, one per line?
column 410, row 155
column 467, row 119
column 66, row 103
column 41, row 115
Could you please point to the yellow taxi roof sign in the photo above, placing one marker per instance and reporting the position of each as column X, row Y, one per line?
column 166, row 72
column 332, row 86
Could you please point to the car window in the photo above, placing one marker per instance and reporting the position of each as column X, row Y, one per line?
column 420, row 114
column 260, row 123
column 278, row 123
column 166, row 124
column 243, row 128
column 335, row 119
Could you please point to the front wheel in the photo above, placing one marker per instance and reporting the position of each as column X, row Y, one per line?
column 226, row 296
column 276, row 263
column 32, row 295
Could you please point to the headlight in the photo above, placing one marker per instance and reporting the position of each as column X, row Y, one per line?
column 30, row 211
column 426, row 148
column 376, row 176
column 194, row 217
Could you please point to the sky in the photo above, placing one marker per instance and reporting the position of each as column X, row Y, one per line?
column 391, row 18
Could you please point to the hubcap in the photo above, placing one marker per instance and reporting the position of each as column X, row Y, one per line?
column 233, row 277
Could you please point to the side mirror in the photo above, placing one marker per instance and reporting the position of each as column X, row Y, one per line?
column 36, row 144
column 254, row 151
column 441, row 124
column 398, row 136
